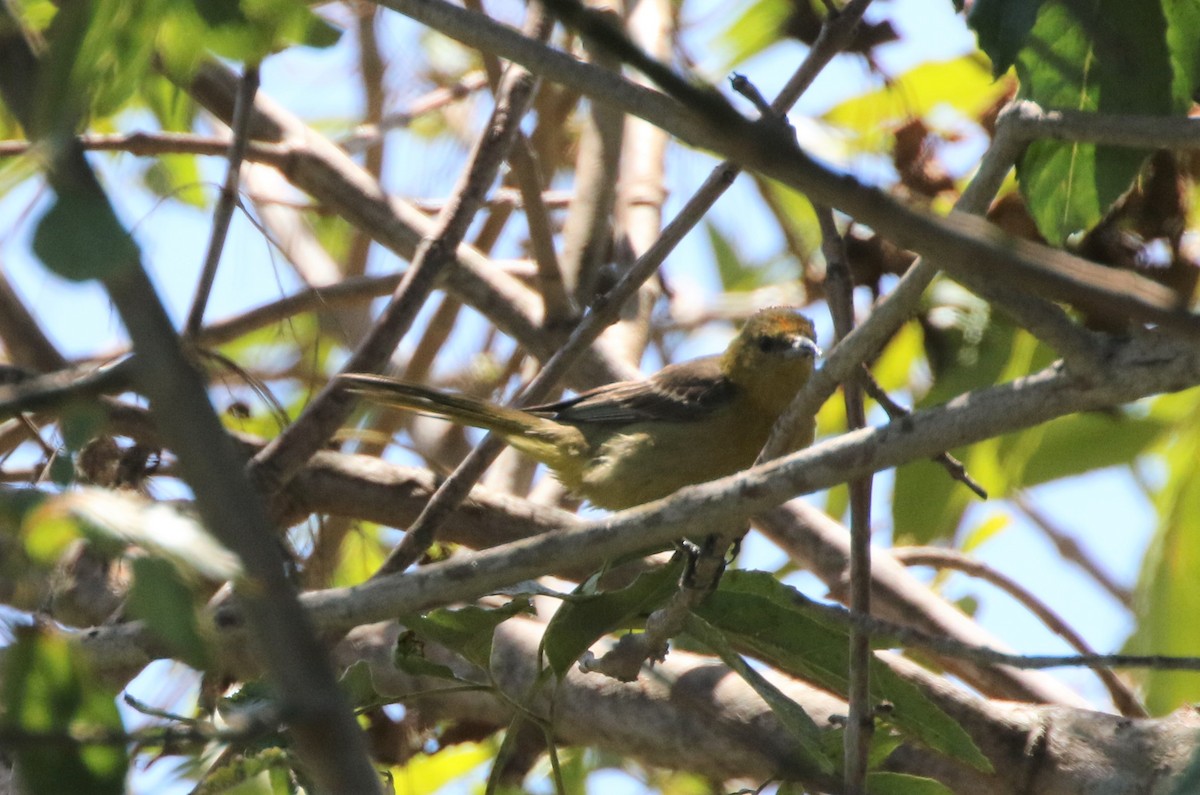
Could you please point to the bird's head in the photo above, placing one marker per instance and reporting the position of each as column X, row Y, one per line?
column 773, row 354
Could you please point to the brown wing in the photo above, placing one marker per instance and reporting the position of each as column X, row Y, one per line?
column 678, row 393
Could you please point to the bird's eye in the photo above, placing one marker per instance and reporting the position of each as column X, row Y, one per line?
column 768, row 344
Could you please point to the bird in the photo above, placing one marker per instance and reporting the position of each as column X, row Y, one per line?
column 632, row 442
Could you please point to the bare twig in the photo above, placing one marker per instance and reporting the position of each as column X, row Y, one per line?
column 895, row 411
column 331, row 407
column 1072, row 551
column 23, row 338
column 587, row 232
column 860, row 723
column 1123, row 697
column 556, row 300
column 969, row 248
column 243, row 109
column 891, row 311
column 367, row 135
column 322, row 170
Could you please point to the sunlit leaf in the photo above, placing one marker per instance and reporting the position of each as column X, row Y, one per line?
column 359, row 556
column 427, row 774
column 97, row 53
column 989, row 528
column 964, row 84
column 792, row 209
column 758, row 27
column 156, row 527
column 735, row 275
column 1166, row 587
column 250, row 30
column 1086, row 442
column 47, row 690
column 1111, row 57
column 176, row 177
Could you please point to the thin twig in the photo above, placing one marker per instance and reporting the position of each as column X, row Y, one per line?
column 556, row 301
column 1123, row 697
column 22, row 335
column 820, row 544
column 860, row 724
column 1070, row 550
column 366, row 135
column 331, row 177
column 907, row 636
column 894, row 410
column 243, row 110
column 331, row 407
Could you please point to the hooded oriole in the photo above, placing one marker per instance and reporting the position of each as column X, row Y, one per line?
column 632, row 442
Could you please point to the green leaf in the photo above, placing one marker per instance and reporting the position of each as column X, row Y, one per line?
column 160, row 597
column 176, row 177
column 735, row 276
column 159, row 528
column 1167, row 586
column 173, row 107
column 80, row 238
column 98, row 54
column 1183, row 48
column 770, row 620
column 428, row 774
column 964, row 84
column 795, row 213
column 583, row 619
column 1110, row 56
column 758, row 27
column 47, row 690
column 466, row 630
column 409, row 657
column 1002, row 27
column 904, row 784
column 793, row 717
column 358, row 683
column 250, row 30
column 966, row 350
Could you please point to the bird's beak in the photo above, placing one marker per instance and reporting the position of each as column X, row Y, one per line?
column 803, row 346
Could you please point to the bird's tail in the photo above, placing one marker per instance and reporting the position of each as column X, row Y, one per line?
column 513, row 424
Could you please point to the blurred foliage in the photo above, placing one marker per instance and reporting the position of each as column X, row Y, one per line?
column 1167, row 585
column 962, row 85
column 48, row 691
